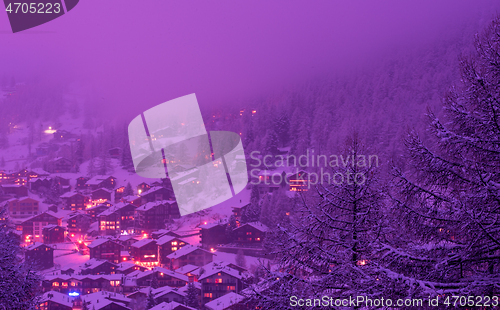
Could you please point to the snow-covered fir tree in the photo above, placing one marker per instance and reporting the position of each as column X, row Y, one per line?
column 449, row 197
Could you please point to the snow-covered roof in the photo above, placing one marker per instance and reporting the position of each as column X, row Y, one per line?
column 163, row 290
column 114, row 208
column 225, row 301
column 98, row 242
column 212, row 269
column 36, row 245
column 257, row 225
column 185, row 250
column 141, row 243
column 102, row 189
column 70, row 194
column 197, row 285
column 96, row 180
column 165, row 271
column 186, row 268
column 101, row 295
column 168, row 238
column 153, row 204
column 125, row 265
column 57, row 297
column 152, row 190
column 93, row 263
column 170, row 306
column 211, row 225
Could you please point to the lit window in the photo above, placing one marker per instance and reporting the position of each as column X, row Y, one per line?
column 218, row 280
column 174, row 248
column 209, row 295
column 249, row 233
column 174, row 242
column 55, row 283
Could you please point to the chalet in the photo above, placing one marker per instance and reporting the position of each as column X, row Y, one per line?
column 62, row 135
column 98, row 266
column 80, row 182
column 78, row 223
column 162, row 277
column 68, row 271
column 115, row 152
column 189, row 254
column 135, row 200
column 213, row 234
column 117, row 219
column 270, row 181
column 126, row 241
column 229, row 301
column 29, row 174
column 21, row 181
column 167, row 245
column 99, row 181
column 59, row 165
column 75, row 201
column 298, row 182
column 238, row 210
column 40, row 184
column 32, row 227
column 157, row 193
column 190, row 271
column 55, row 300
column 61, row 181
column 163, row 232
column 53, row 234
column 126, row 268
column 40, row 255
column 251, row 233
column 22, row 207
column 219, row 280
column 104, row 300
column 105, row 249
column 82, row 284
column 14, row 190
column 154, row 215
column 168, row 294
column 143, row 187
column 145, row 251
column 53, row 208
column 119, row 192
column 94, row 211
column 5, row 177
column 100, row 195
column 173, row 305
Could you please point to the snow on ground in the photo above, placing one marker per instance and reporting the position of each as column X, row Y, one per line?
column 74, row 260
column 231, row 258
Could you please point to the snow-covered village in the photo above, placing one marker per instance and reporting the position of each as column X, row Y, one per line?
column 198, row 171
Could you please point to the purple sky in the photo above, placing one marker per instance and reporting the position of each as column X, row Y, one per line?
column 142, row 53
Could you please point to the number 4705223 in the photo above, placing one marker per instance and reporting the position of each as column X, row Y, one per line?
column 37, row 8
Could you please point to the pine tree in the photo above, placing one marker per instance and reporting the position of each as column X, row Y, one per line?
column 151, row 299
column 19, row 284
column 332, row 236
column 128, row 190
column 240, row 259
column 192, row 298
column 252, row 212
column 449, row 198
